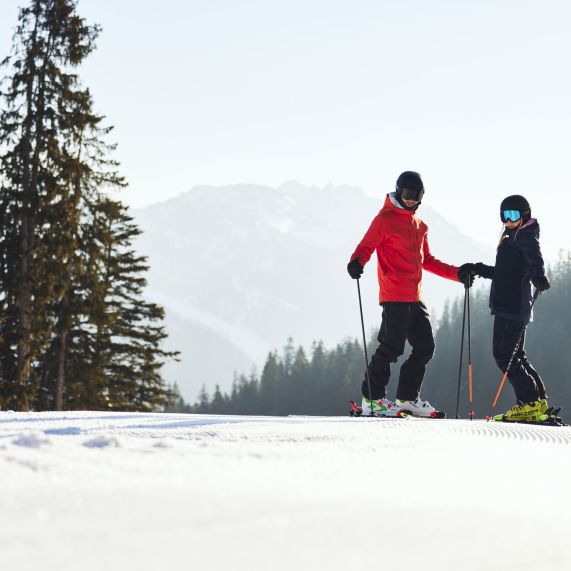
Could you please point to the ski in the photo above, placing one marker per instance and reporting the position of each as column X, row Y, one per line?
column 357, row 411
column 435, row 414
column 555, row 421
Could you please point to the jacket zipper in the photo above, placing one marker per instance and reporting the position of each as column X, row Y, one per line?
column 415, row 245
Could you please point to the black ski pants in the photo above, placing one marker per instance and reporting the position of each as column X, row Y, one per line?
column 401, row 322
column 525, row 380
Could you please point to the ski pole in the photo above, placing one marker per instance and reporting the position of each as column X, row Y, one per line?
column 471, row 411
column 461, row 351
column 364, row 343
column 516, row 348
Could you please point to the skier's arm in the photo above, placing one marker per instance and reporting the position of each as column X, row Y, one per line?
column 485, row 271
column 370, row 242
column 529, row 246
column 435, row 266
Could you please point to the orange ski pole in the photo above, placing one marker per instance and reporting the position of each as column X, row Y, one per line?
column 501, row 387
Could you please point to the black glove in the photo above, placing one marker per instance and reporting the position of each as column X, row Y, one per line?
column 541, row 284
column 466, row 273
column 484, row 271
column 355, row 269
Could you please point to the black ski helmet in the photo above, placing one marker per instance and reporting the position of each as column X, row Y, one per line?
column 409, row 187
column 516, row 202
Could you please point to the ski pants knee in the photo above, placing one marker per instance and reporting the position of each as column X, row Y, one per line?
column 401, row 322
column 525, row 380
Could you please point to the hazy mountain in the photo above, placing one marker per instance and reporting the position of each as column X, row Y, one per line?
column 241, row 268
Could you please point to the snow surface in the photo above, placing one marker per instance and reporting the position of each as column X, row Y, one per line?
column 121, row 491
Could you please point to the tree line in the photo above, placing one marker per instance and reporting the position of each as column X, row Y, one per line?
column 75, row 331
column 323, row 381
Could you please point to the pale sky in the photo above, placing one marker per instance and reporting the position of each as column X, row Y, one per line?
column 473, row 94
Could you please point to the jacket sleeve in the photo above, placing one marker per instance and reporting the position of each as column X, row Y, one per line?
column 370, row 242
column 529, row 246
column 485, row 271
column 435, row 266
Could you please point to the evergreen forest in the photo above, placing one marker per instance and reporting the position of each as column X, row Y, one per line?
column 75, row 331
column 323, row 381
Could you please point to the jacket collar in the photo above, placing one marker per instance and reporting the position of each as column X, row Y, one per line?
column 531, row 226
column 392, row 205
column 530, row 222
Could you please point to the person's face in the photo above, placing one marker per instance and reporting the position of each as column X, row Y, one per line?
column 510, row 224
column 410, row 203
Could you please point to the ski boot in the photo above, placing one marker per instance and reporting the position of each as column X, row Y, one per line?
column 536, row 412
column 375, row 407
column 522, row 412
column 420, row 408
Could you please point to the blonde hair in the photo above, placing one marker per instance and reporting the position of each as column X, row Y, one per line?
column 503, row 234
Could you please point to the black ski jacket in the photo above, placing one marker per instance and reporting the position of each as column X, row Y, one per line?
column 518, row 261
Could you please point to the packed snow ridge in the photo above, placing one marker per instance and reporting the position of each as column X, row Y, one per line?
column 105, row 491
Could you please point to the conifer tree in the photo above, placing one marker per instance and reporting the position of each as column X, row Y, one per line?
column 175, row 402
column 41, row 118
column 218, row 404
column 297, row 383
column 75, row 330
column 317, row 389
column 125, row 329
column 272, row 374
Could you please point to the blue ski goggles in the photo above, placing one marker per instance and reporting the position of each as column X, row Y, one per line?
column 511, row 215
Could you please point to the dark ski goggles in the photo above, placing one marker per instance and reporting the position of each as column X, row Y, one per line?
column 511, row 215
column 412, row 194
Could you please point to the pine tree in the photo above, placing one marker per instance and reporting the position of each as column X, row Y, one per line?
column 124, row 329
column 272, row 374
column 218, row 404
column 75, row 329
column 40, row 128
column 175, row 403
column 298, row 382
column 203, row 404
column 317, row 389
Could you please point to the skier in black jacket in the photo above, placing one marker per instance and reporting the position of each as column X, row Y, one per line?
column 519, row 264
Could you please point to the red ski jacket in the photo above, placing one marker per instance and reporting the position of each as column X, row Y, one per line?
column 401, row 241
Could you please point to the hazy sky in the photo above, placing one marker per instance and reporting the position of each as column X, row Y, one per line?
column 473, row 94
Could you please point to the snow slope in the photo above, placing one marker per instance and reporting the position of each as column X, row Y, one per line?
column 112, row 491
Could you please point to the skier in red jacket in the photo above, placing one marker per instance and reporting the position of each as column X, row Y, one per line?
column 401, row 241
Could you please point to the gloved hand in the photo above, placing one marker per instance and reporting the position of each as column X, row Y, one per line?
column 484, row 271
column 466, row 273
column 355, row 269
column 541, row 284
